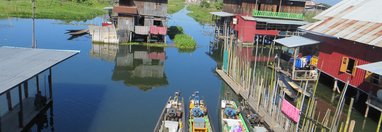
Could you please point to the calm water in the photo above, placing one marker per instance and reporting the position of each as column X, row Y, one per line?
column 118, row 88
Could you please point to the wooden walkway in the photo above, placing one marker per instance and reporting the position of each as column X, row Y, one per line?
column 244, row 93
column 10, row 121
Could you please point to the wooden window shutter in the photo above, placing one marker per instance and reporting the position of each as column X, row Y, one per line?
column 344, row 64
column 368, row 76
column 354, row 68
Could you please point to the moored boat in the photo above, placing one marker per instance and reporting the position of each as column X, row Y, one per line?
column 172, row 118
column 231, row 118
column 199, row 121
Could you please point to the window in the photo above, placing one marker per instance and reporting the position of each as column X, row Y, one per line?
column 157, row 23
column 348, row 65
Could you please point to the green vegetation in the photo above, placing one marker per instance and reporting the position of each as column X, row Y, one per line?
column 308, row 16
column 175, row 6
column 184, row 41
column 174, row 30
column 201, row 12
column 53, row 9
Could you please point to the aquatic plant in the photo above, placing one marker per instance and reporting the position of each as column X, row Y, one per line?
column 184, row 41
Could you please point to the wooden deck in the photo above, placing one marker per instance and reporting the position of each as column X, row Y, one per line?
column 244, row 93
column 10, row 121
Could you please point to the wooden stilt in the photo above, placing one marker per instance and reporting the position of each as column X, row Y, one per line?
column 26, row 92
column 352, row 125
column 9, row 100
column 21, row 116
column 348, row 116
column 50, row 83
column 367, row 108
column 37, row 83
column 379, row 122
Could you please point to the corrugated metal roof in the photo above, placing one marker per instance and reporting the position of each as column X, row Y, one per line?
column 355, row 20
column 372, row 67
column 274, row 21
column 19, row 64
column 296, row 41
column 222, row 14
column 360, row 10
column 360, row 31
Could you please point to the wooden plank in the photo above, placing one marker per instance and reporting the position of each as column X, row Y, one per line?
column 10, row 120
column 238, row 89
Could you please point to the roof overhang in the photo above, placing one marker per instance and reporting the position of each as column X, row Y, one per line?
column 375, row 67
column 20, row 64
column 222, row 14
column 125, row 9
column 296, row 41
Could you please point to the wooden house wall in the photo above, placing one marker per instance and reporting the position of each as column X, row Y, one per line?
column 126, row 23
column 332, row 50
column 151, row 8
column 246, row 7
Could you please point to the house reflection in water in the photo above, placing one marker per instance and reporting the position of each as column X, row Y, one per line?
column 135, row 65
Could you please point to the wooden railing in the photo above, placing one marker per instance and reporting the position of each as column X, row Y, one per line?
column 283, row 15
column 304, row 75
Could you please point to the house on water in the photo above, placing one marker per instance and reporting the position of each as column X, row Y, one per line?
column 263, row 19
column 141, row 20
column 350, row 34
column 23, row 88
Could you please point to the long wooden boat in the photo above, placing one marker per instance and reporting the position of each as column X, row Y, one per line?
column 199, row 121
column 172, row 118
column 254, row 121
column 231, row 118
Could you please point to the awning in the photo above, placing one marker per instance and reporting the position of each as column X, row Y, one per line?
column 296, row 41
column 222, row 14
column 275, row 21
column 20, row 64
column 372, row 67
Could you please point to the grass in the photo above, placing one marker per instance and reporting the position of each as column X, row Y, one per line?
column 201, row 14
column 52, row 9
column 175, row 6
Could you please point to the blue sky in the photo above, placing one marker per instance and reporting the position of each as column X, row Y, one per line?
column 330, row 2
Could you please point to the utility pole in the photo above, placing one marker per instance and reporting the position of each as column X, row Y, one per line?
column 33, row 24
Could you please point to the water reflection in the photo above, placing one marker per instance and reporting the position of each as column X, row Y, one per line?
column 44, row 121
column 135, row 65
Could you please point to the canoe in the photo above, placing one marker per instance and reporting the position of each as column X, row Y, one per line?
column 199, row 121
column 254, row 121
column 172, row 118
column 231, row 118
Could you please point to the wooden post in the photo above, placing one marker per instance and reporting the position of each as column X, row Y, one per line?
column 294, row 61
column 37, row 83
column 367, row 108
column 302, row 104
column 9, row 100
column 379, row 122
column 26, row 93
column 351, row 127
column 348, row 116
column 341, row 126
column 21, row 118
column 50, row 83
